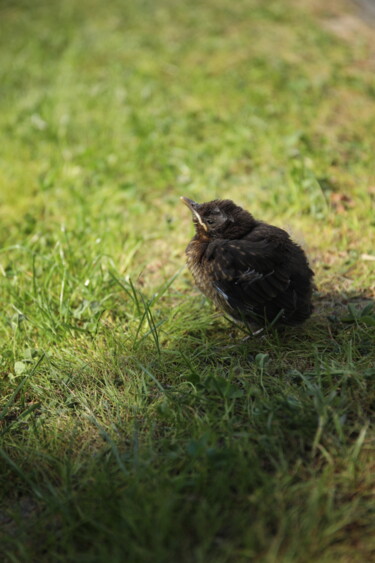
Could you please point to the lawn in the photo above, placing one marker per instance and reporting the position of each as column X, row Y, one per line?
column 136, row 423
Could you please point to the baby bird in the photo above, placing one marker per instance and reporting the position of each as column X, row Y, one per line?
column 252, row 271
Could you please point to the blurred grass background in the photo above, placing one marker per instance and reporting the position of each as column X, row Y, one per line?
column 135, row 423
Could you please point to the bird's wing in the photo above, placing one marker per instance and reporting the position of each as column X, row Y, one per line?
column 248, row 274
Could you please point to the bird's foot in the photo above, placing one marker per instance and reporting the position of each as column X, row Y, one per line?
column 255, row 333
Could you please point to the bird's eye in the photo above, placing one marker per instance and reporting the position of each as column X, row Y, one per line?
column 210, row 221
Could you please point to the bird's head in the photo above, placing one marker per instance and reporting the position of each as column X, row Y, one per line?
column 220, row 218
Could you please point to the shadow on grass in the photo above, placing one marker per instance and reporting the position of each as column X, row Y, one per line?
column 334, row 313
column 215, row 431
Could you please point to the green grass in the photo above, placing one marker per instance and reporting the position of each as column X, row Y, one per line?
column 136, row 424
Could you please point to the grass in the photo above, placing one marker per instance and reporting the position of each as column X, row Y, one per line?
column 135, row 422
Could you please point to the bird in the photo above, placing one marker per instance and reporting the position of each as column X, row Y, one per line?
column 251, row 270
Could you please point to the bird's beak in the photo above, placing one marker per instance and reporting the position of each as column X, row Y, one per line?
column 189, row 203
column 192, row 205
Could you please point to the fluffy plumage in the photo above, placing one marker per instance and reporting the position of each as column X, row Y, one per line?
column 251, row 270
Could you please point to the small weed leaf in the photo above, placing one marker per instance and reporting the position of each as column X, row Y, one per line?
column 222, row 386
column 12, row 399
column 19, row 368
column 365, row 316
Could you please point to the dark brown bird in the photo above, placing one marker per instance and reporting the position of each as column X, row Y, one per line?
column 251, row 270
